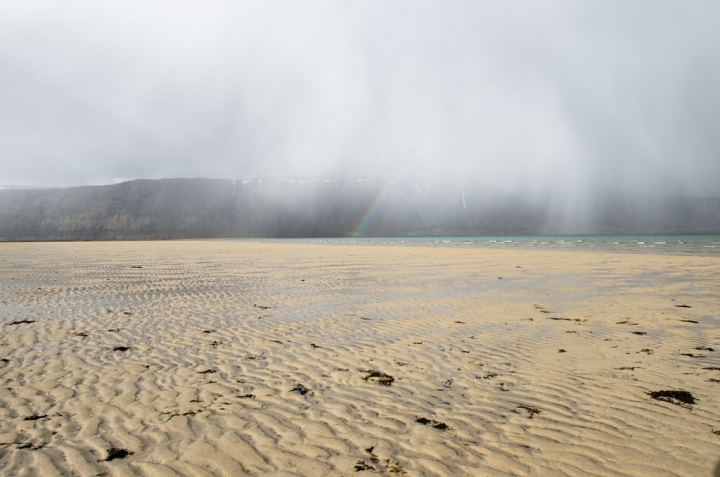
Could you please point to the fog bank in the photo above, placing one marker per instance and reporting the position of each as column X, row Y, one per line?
column 557, row 101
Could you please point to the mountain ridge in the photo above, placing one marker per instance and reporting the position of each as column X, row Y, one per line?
column 323, row 206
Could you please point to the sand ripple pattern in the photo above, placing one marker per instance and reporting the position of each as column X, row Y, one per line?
column 231, row 358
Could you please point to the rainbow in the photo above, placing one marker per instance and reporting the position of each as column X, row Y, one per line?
column 371, row 211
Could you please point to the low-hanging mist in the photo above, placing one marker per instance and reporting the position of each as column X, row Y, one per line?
column 331, row 206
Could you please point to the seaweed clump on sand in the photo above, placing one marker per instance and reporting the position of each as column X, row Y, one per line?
column 35, row 417
column 531, row 410
column 21, row 322
column 432, row 422
column 378, row 377
column 115, row 453
column 361, row 465
column 300, row 389
column 681, row 398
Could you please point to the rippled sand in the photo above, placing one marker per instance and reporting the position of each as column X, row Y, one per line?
column 240, row 358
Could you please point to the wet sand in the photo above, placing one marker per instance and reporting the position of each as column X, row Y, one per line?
column 241, row 358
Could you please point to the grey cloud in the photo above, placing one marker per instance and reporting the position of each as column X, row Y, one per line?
column 529, row 96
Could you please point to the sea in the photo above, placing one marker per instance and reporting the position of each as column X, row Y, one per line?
column 675, row 244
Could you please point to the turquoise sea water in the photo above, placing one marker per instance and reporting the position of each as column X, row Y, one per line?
column 660, row 244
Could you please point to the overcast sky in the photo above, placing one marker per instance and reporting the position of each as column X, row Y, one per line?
column 524, row 95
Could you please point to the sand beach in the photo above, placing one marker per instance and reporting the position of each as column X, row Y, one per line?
column 231, row 358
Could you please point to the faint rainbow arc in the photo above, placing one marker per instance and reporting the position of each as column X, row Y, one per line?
column 384, row 191
column 372, row 209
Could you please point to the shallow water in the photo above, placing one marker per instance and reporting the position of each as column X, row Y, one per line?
column 675, row 244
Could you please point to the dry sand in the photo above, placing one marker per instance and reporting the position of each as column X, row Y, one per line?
column 250, row 358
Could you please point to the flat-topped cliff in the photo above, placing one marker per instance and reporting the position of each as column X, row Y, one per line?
column 322, row 207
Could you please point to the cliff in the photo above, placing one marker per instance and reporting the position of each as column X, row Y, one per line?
column 323, row 207
column 150, row 209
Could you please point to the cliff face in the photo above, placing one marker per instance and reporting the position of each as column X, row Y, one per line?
column 322, row 207
column 621, row 213
column 338, row 207
column 168, row 208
